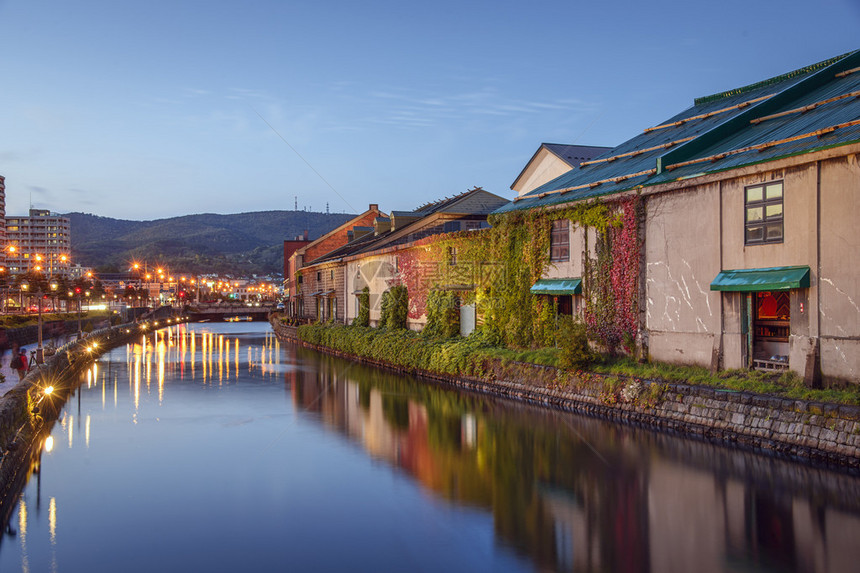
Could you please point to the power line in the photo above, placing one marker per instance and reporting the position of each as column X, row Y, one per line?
column 305, row 160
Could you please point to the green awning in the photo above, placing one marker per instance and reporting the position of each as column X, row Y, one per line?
column 557, row 286
column 752, row 280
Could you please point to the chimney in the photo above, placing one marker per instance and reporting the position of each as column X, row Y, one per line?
column 306, row 234
column 373, row 207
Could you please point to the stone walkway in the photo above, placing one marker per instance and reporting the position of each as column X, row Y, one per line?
column 10, row 376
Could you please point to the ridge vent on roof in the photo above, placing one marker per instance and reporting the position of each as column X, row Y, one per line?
column 768, row 82
column 444, row 200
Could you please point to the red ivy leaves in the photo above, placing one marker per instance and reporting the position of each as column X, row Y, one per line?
column 612, row 311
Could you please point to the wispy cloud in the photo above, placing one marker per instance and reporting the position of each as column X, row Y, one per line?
column 83, row 197
column 248, row 94
column 10, row 156
column 195, row 92
column 410, row 109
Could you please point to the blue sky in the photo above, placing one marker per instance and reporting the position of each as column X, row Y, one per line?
column 144, row 110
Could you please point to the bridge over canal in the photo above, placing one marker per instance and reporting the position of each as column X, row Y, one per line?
column 213, row 312
column 228, row 312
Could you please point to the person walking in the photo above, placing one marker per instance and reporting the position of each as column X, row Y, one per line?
column 19, row 363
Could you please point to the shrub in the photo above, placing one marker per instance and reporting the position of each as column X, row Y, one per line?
column 574, row 351
column 385, row 309
column 363, row 318
column 443, row 317
column 395, row 307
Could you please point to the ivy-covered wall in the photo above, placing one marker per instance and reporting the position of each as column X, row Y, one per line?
column 495, row 268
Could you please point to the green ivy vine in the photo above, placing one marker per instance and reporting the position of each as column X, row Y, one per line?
column 495, row 268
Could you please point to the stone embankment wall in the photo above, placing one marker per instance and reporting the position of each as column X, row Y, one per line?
column 823, row 432
column 50, row 330
column 27, row 413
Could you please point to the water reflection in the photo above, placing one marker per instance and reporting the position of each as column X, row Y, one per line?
column 578, row 494
column 225, row 434
column 158, row 358
column 173, row 353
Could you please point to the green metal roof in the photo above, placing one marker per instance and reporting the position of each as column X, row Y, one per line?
column 720, row 133
column 557, row 286
column 753, row 280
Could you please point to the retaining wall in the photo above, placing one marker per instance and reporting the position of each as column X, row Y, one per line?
column 824, row 432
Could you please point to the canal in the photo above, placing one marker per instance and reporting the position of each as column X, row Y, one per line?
column 213, row 447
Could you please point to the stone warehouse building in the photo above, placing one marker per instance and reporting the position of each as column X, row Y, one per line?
column 748, row 204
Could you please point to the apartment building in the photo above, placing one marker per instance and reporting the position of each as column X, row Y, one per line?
column 38, row 242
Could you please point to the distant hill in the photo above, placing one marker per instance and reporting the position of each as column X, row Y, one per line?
column 239, row 244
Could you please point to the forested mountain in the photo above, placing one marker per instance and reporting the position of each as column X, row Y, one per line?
column 239, row 244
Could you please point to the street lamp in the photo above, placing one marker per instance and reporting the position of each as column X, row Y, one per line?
column 78, row 294
column 25, row 286
column 64, row 259
column 5, row 280
column 40, row 353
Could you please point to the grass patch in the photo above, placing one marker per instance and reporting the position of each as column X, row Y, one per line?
column 784, row 384
column 542, row 356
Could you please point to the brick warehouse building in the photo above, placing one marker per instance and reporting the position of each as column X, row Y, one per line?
column 299, row 304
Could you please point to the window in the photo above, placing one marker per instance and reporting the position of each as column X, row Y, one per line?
column 559, row 242
column 319, row 276
column 763, row 213
column 452, row 256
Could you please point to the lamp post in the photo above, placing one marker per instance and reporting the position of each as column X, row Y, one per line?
column 139, row 273
column 5, row 280
column 78, row 294
column 25, row 286
column 40, row 352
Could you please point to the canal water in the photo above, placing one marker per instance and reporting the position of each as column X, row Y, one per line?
column 216, row 448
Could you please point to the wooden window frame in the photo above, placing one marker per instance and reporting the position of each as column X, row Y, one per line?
column 765, row 222
column 559, row 241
